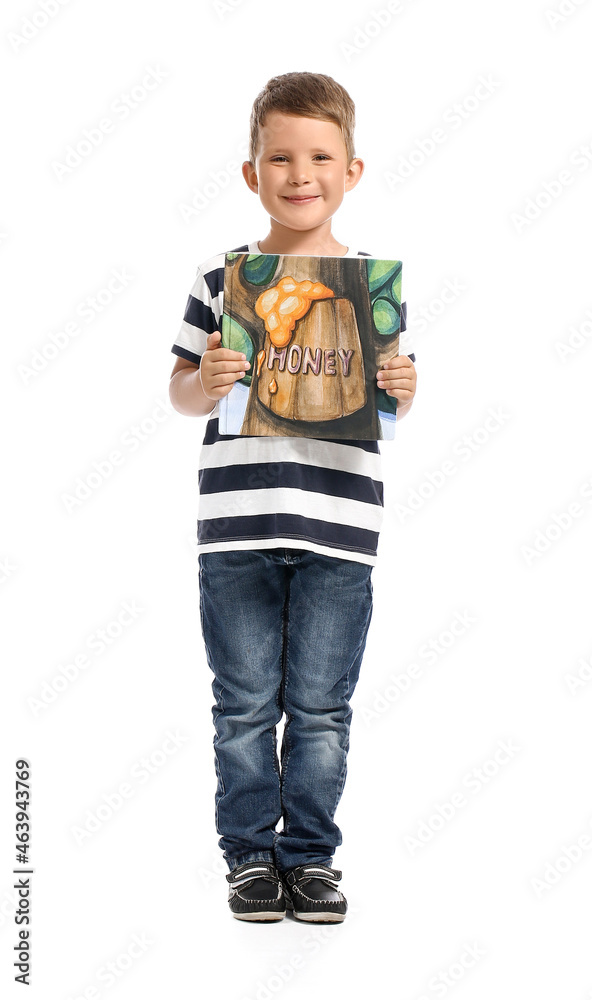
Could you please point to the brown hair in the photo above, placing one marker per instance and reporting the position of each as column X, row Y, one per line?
column 309, row 95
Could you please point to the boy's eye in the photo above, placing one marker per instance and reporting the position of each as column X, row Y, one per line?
column 318, row 156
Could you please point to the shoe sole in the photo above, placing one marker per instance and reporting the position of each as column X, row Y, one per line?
column 320, row 918
column 265, row 915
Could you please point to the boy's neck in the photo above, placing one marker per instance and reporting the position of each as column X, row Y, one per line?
column 312, row 243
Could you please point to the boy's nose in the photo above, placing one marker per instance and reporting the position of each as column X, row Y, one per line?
column 299, row 174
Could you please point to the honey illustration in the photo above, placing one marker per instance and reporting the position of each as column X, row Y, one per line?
column 280, row 306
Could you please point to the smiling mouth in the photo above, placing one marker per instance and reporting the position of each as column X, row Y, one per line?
column 303, row 197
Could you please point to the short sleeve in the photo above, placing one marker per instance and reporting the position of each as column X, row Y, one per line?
column 199, row 321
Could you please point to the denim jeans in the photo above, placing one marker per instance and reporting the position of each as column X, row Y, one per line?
column 284, row 632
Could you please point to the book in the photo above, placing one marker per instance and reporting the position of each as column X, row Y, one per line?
column 315, row 330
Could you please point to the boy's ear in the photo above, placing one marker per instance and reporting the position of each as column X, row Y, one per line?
column 354, row 172
column 250, row 175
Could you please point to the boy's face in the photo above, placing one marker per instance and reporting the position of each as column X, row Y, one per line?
column 301, row 172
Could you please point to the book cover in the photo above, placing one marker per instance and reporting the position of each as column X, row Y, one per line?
column 315, row 330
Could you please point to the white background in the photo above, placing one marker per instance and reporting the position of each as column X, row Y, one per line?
column 489, row 537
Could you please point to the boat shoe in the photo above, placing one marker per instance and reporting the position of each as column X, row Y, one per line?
column 256, row 892
column 312, row 894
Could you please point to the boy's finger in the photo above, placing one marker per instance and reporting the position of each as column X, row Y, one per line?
column 222, row 353
column 384, row 376
column 225, row 355
column 229, row 365
column 225, row 378
column 213, row 339
column 401, row 361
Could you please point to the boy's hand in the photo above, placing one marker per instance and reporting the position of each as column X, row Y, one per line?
column 220, row 367
column 399, row 378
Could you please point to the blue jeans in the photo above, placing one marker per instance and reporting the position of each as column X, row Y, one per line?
column 284, row 631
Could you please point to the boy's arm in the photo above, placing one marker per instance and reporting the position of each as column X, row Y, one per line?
column 194, row 389
column 191, row 378
column 186, row 391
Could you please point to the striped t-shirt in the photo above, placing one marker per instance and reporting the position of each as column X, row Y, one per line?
column 291, row 492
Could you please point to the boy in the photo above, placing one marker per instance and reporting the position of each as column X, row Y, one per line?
column 287, row 536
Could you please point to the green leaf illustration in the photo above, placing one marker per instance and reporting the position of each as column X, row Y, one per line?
column 396, row 287
column 236, row 338
column 385, row 316
column 381, row 273
column 259, row 269
column 388, row 404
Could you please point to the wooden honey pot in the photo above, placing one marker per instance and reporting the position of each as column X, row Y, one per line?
column 318, row 375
